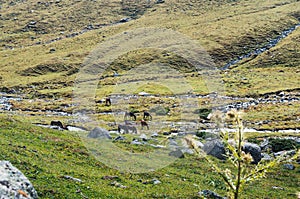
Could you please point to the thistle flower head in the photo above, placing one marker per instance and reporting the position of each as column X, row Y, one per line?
column 234, row 115
column 247, row 157
column 216, row 116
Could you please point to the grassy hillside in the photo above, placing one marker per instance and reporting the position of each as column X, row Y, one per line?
column 225, row 29
column 45, row 156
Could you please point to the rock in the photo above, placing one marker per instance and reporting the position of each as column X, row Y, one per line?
column 215, row 148
column 289, row 166
column 72, row 178
column 160, row 1
column 144, row 94
column 173, row 143
column 198, row 144
column 144, row 137
column 136, row 142
column 155, row 181
column 264, row 144
column 166, row 133
column 266, row 157
column 177, row 153
column 13, row 183
column 98, row 132
column 187, row 151
column 254, row 151
column 119, row 138
column 52, row 50
column 279, row 188
column 298, row 159
column 124, row 20
column 285, row 153
column 154, row 135
column 117, row 184
column 110, row 177
column 210, row 194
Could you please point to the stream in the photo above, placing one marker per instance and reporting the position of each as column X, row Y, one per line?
column 270, row 44
column 239, row 103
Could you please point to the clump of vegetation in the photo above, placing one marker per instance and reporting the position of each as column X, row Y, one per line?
column 160, row 110
column 278, row 144
column 203, row 112
column 201, row 134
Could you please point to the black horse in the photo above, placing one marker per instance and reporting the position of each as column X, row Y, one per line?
column 58, row 124
column 107, row 101
column 147, row 115
column 130, row 115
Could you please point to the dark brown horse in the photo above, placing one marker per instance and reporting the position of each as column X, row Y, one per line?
column 144, row 123
column 130, row 115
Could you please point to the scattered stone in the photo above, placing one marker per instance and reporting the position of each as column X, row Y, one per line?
column 264, row 145
column 198, row 144
column 275, row 187
column 153, row 181
column 72, row 178
column 289, row 166
column 110, row 177
column 166, row 133
column 124, row 20
column 119, row 138
column 215, row 148
column 144, row 137
column 98, row 132
column 172, row 142
column 160, row 1
column 177, row 153
column 13, row 183
column 210, row 194
column 187, row 151
column 117, row 184
column 266, row 157
column 154, row 135
column 286, row 153
column 156, row 181
column 52, row 50
column 136, row 142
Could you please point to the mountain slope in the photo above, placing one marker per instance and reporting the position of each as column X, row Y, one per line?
column 226, row 29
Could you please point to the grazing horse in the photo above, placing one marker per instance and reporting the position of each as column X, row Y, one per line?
column 126, row 129
column 107, row 101
column 130, row 115
column 147, row 115
column 144, row 123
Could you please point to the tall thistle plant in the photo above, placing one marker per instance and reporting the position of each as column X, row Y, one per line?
column 243, row 171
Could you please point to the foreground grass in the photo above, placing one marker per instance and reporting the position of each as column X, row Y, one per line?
column 45, row 156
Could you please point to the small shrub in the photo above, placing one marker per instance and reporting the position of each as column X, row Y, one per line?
column 201, row 134
column 203, row 112
column 160, row 110
column 254, row 140
column 283, row 144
